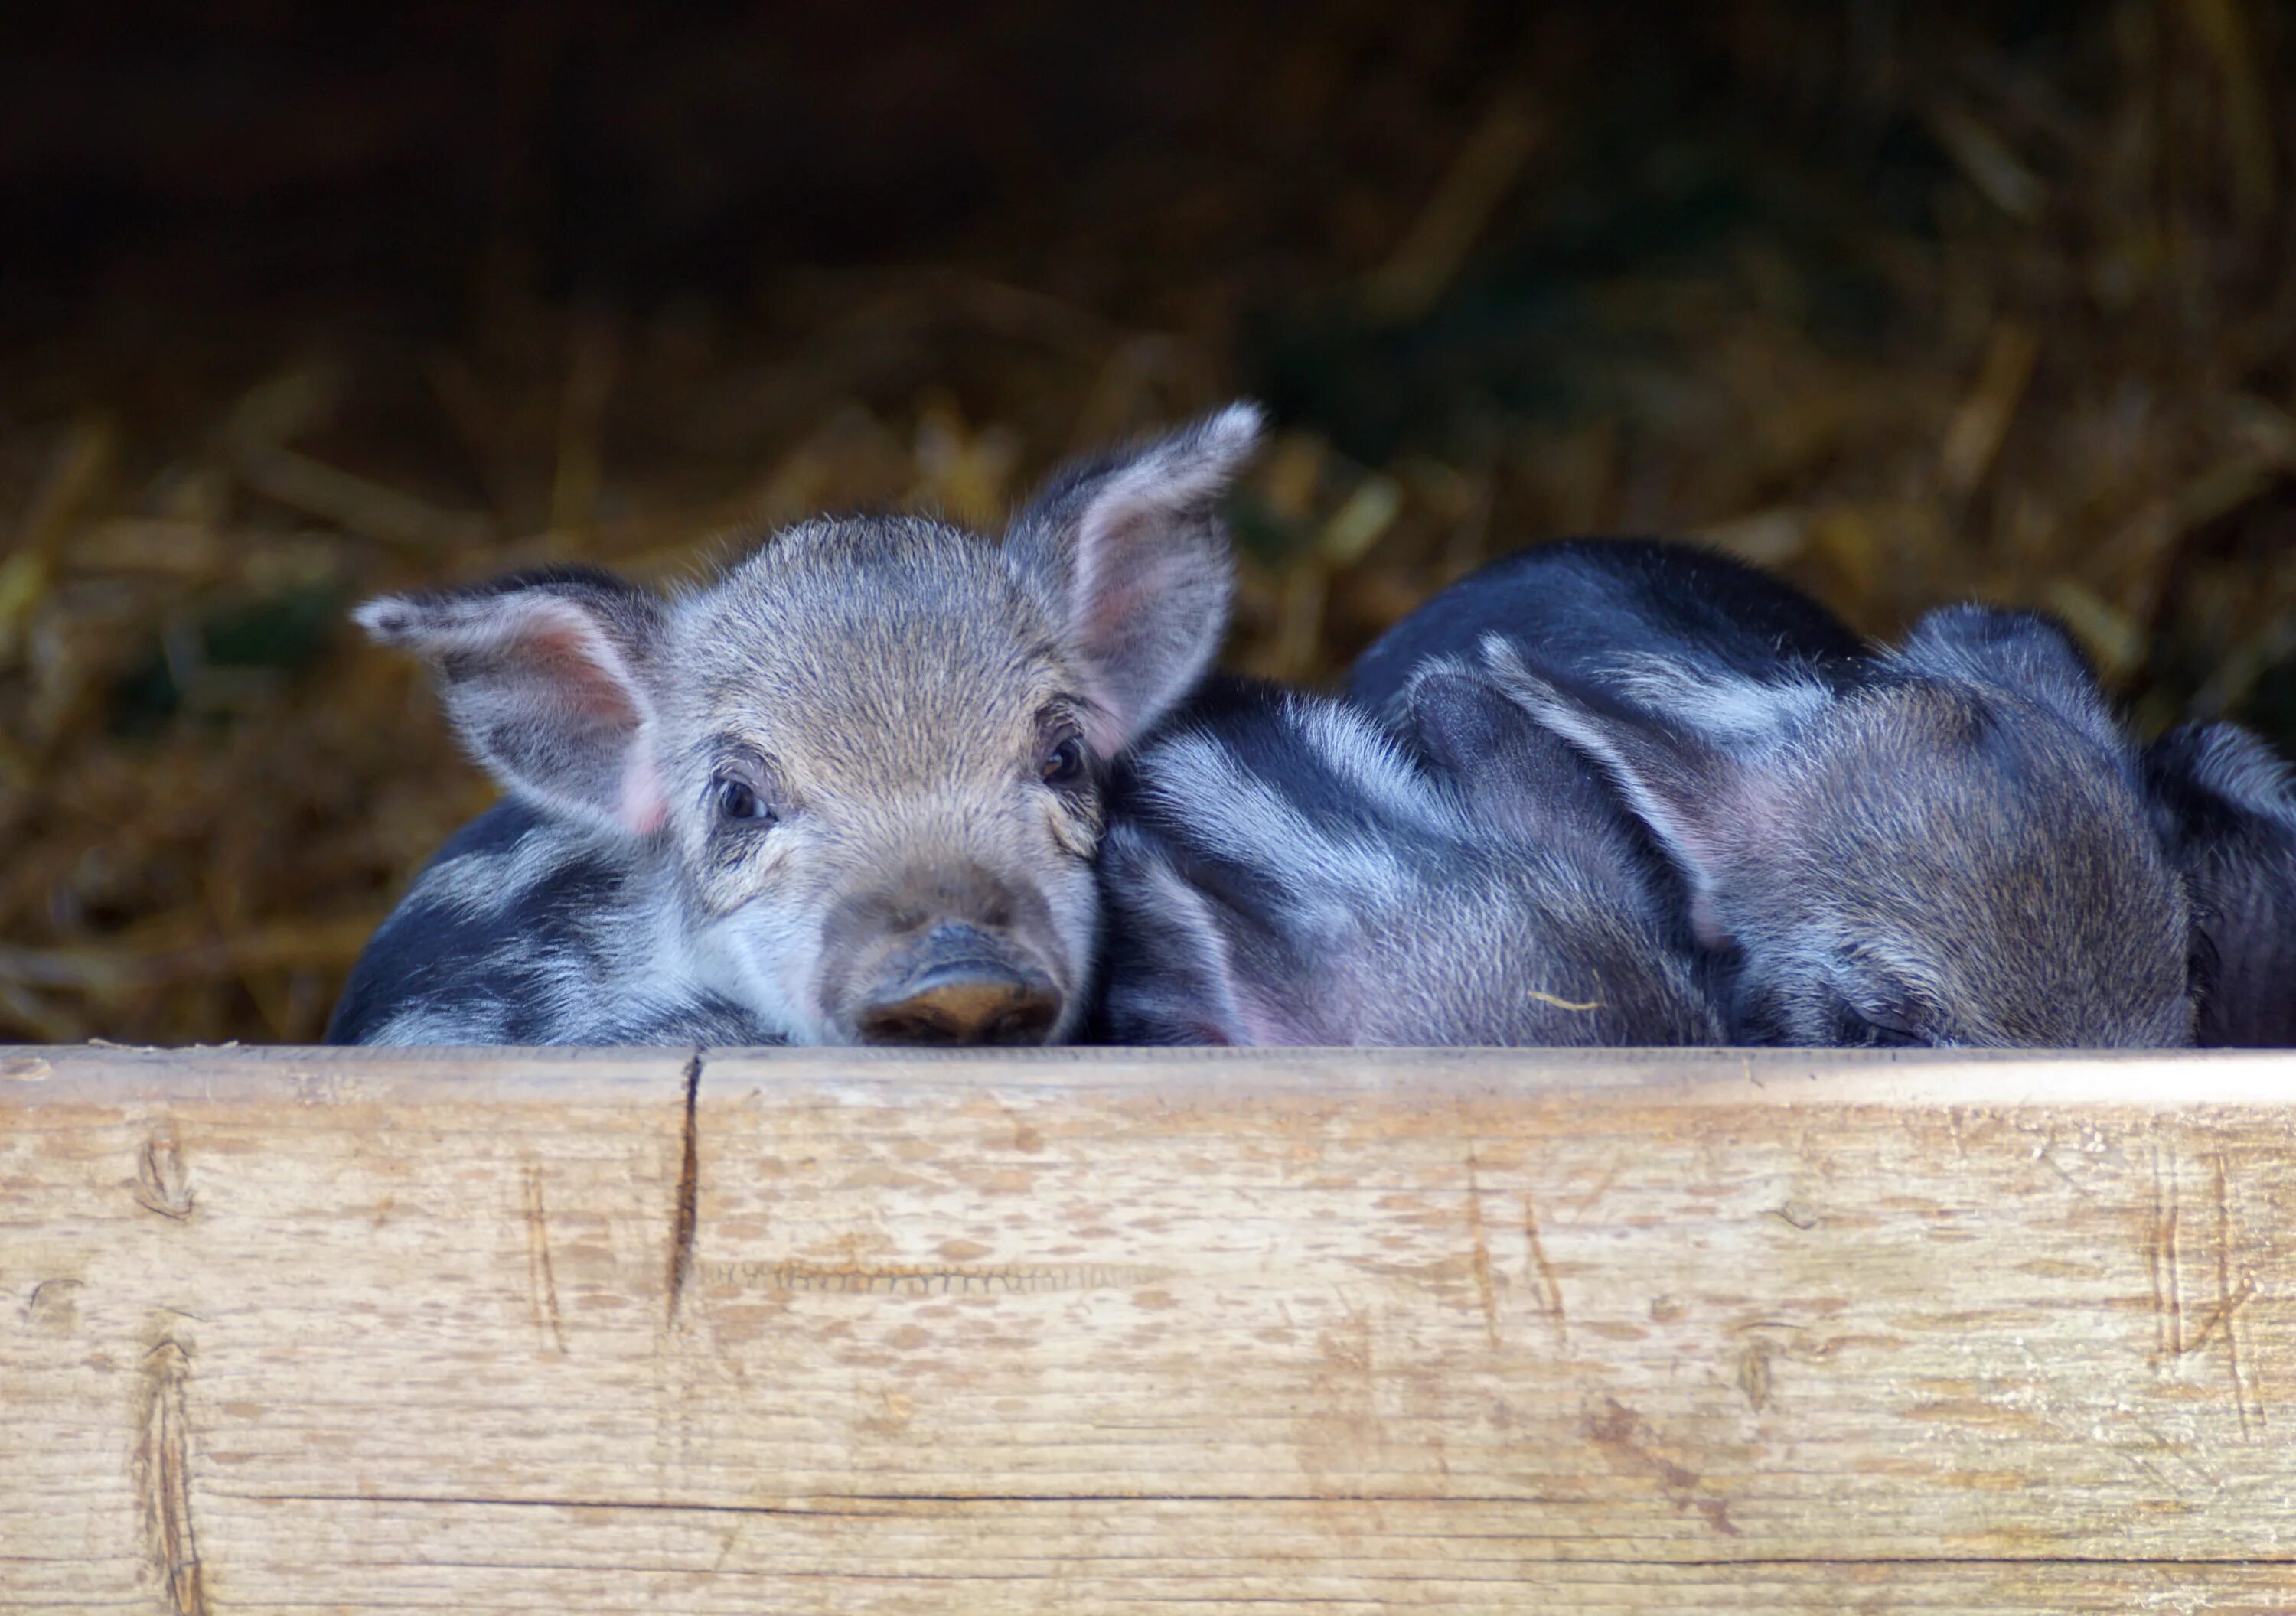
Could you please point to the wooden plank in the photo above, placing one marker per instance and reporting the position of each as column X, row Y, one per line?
column 1081, row 1332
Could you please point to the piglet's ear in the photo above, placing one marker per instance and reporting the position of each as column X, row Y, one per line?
column 545, row 677
column 2024, row 654
column 1698, row 799
column 2199, row 769
column 1130, row 557
column 1512, row 771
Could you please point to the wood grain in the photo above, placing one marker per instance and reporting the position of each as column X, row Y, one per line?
column 363, row 1332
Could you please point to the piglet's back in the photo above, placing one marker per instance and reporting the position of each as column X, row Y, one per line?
column 1604, row 602
column 1278, row 871
column 525, row 930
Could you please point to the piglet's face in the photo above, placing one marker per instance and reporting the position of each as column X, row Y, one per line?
column 870, row 753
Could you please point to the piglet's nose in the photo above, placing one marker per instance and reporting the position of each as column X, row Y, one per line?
column 959, row 987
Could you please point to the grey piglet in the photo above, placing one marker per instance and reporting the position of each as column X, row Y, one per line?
column 1279, row 872
column 849, row 791
column 2225, row 807
column 1945, row 844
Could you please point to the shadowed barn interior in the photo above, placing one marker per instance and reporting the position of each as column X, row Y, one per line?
column 300, row 304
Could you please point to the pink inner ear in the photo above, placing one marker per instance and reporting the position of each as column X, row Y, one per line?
column 1123, row 599
column 1110, row 590
column 645, row 803
column 1705, row 925
column 1105, row 729
column 588, row 675
column 1751, row 812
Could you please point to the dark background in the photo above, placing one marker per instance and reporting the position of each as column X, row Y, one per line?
column 301, row 302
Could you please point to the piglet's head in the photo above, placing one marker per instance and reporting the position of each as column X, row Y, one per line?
column 1952, row 850
column 866, row 762
column 2225, row 807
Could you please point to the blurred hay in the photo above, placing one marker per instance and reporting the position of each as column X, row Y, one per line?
column 1912, row 318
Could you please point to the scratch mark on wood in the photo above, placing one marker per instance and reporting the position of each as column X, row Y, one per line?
column 163, row 1474
column 541, row 1279
column 1585, row 1203
column 928, row 1279
column 162, row 1183
column 2220, row 1315
column 2172, row 1262
column 1549, row 1289
column 2228, row 1301
column 689, row 1193
column 2049, row 1160
column 2155, row 1254
column 2208, row 1475
column 1481, row 1257
column 726, row 1550
column 2168, row 1286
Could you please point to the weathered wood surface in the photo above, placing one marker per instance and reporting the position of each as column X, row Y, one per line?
column 293, row 1332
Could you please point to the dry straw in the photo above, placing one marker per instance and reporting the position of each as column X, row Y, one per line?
column 2062, row 373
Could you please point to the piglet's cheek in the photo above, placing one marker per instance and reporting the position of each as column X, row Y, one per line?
column 801, row 988
column 1078, row 834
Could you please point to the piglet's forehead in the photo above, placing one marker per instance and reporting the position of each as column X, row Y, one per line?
column 867, row 627
column 866, row 589
column 910, row 700
column 837, row 569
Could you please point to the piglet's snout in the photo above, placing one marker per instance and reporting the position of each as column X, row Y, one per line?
column 960, row 987
column 943, row 959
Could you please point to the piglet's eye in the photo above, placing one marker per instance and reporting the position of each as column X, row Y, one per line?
column 1880, row 1028
column 1064, row 766
column 738, row 801
column 1880, row 1036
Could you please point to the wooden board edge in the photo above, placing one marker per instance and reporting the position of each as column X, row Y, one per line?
column 53, row 1075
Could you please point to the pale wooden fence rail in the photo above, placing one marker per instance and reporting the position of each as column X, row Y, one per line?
column 292, row 1331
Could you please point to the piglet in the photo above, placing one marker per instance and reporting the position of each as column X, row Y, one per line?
column 1279, row 870
column 848, row 792
column 1945, row 844
column 2225, row 807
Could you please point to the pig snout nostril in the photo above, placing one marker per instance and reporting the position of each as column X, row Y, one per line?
column 964, row 1005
